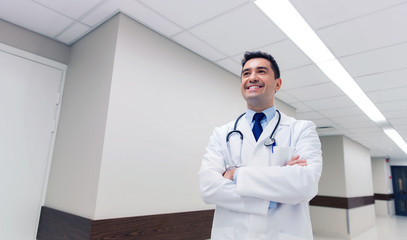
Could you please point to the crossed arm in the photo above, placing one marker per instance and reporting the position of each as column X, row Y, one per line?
column 296, row 160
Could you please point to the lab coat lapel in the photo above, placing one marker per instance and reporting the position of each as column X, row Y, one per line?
column 269, row 129
column 244, row 127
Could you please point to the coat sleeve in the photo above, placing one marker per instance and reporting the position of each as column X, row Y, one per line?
column 215, row 189
column 287, row 184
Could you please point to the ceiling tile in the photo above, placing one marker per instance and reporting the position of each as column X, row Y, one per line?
column 149, row 18
column 287, row 54
column 397, row 114
column 329, row 103
column 301, row 107
column 101, row 13
column 309, row 115
column 353, row 119
column 234, row 32
column 286, row 97
column 326, row 128
column 135, row 10
column 402, row 129
column 33, row 16
column 355, row 124
column 369, row 32
column 388, row 95
column 399, row 105
column 342, row 112
column 198, row 10
column 73, row 9
column 367, row 131
column 385, row 80
column 194, row 44
column 397, row 122
column 73, row 33
column 319, row 13
column 318, row 91
column 230, row 65
column 303, row 76
column 377, row 61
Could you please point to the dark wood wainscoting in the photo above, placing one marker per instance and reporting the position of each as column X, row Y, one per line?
column 187, row 225
column 385, row 197
column 57, row 225
column 60, row 225
column 342, row 202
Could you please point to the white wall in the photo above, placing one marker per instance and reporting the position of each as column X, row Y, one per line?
column 23, row 39
column 329, row 222
column 358, row 169
column 346, row 173
column 382, row 184
column 164, row 103
column 332, row 181
column 77, row 157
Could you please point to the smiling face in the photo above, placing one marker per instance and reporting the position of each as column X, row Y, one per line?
column 259, row 84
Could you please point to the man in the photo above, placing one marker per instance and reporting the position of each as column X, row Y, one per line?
column 261, row 187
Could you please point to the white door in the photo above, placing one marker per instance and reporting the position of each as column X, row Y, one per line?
column 29, row 91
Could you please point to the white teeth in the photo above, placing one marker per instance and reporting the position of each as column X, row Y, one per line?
column 252, row 87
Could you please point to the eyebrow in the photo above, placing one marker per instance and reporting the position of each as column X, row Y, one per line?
column 257, row 68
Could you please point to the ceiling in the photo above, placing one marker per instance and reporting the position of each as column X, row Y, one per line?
column 369, row 38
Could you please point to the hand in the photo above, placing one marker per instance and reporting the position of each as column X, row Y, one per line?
column 229, row 174
column 296, row 161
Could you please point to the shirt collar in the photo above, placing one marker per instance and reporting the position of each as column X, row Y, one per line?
column 269, row 112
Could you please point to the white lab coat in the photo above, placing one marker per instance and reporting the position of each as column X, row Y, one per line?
column 242, row 206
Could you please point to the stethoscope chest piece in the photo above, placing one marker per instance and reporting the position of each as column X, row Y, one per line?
column 269, row 142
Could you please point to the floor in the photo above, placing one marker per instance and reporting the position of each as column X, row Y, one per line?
column 387, row 228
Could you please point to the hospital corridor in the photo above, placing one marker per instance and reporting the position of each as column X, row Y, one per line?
column 200, row 119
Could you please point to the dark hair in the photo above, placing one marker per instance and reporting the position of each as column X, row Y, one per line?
column 259, row 54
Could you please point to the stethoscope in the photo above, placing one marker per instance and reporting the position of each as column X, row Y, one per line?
column 270, row 142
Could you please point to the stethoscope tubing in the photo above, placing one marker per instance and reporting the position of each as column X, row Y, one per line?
column 267, row 143
column 270, row 142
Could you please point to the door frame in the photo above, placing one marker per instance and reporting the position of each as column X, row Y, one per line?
column 63, row 68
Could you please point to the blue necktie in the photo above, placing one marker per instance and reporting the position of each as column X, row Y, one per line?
column 257, row 128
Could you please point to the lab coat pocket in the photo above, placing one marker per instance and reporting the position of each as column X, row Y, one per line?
column 281, row 156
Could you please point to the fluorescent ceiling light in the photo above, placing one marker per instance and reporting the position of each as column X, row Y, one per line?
column 395, row 136
column 286, row 17
column 335, row 71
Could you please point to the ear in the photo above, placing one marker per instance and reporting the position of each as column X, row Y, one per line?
column 278, row 84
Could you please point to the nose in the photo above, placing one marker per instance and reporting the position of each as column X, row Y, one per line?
column 253, row 77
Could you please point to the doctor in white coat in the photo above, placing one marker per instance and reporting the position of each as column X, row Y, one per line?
column 261, row 192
